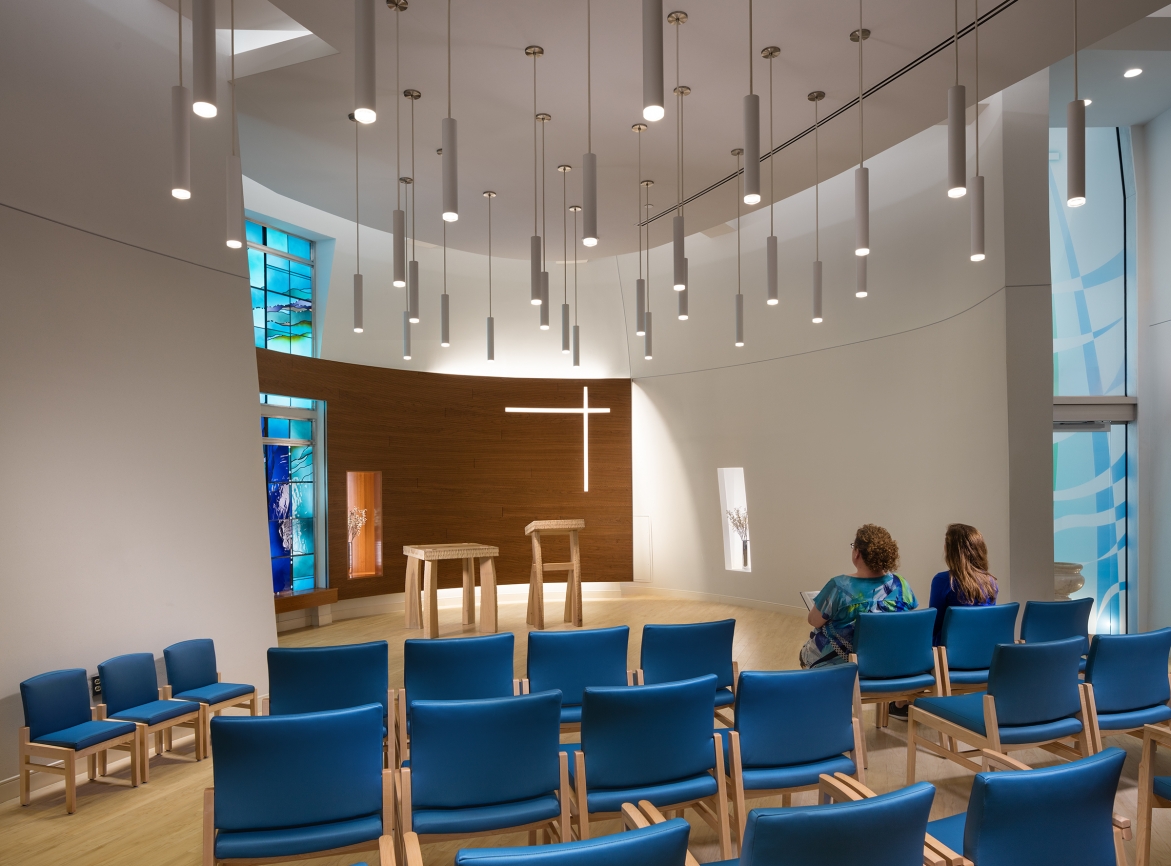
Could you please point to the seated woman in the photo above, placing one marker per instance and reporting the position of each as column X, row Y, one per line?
column 872, row 588
column 967, row 581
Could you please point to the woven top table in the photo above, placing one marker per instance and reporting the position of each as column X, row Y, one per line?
column 424, row 613
column 536, row 610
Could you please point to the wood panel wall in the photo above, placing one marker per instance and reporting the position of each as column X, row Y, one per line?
column 455, row 467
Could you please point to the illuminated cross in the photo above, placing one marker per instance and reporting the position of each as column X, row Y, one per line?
column 585, row 411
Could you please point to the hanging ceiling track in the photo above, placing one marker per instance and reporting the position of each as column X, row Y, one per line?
column 890, row 79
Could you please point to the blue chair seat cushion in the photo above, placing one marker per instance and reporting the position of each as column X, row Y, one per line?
column 967, row 711
column 291, row 841
column 968, row 678
column 1134, row 719
column 950, row 831
column 1162, row 786
column 155, row 712
column 571, row 715
column 216, row 693
column 795, row 776
column 898, row 684
column 482, row 819
column 724, row 697
column 86, row 734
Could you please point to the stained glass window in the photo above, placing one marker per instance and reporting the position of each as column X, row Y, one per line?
column 280, row 272
column 289, row 478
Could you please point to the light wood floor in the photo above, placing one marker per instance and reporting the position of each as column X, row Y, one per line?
column 159, row 824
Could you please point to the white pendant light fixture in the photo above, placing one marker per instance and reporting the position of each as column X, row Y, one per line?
column 652, row 60
column 535, row 265
column 203, row 57
column 860, row 289
column 180, row 129
column 450, row 145
column 815, row 97
column 398, row 217
column 683, row 296
column 235, row 180
column 364, row 74
column 770, row 244
column 357, row 244
column 589, row 162
column 406, row 336
column 647, row 348
column 565, row 326
column 957, row 134
column 640, row 283
column 738, row 152
column 751, row 130
column 976, row 184
column 678, row 234
column 575, row 209
column 491, row 331
column 413, row 265
column 542, row 119
column 544, row 300
column 1075, row 137
column 444, row 307
column 861, row 173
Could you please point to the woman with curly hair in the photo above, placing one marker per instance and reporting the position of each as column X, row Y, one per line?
column 967, row 581
column 872, row 588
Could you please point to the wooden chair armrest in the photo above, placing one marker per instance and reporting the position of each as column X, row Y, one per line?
column 518, row 687
column 639, row 679
column 632, row 818
column 855, row 785
column 1158, row 733
column 631, row 678
column 98, row 711
column 652, row 813
column 413, row 851
column 945, row 854
column 1123, row 824
column 385, row 850
column 1000, row 761
column 836, row 791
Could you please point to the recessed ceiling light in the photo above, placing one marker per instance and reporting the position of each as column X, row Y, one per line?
column 1132, row 73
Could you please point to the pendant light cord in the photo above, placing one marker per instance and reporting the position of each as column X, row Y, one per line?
column 535, row 121
column 816, row 187
column 564, row 242
column 861, row 148
column 544, row 227
column 648, row 253
column 413, row 208
column 640, row 209
column 445, row 257
column 180, row 43
column 738, row 213
column 976, row 4
column 589, row 87
column 772, row 159
column 490, row 257
column 1075, row 90
column 357, row 205
column 749, row 53
column 575, row 267
column 449, row 58
column 232, row 48
column 955, row 41
column 398, row 163
column 678, row 123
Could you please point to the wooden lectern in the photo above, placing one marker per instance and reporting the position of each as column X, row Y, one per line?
column 536, row 615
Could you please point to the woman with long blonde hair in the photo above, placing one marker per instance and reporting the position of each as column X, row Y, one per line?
column 967, row 581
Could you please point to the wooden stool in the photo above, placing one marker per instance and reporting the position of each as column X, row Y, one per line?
column 536, row 615
column 425, row 615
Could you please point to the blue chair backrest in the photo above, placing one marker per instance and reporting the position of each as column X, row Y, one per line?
column 190, row 664
column 572, row 660
column 273, row 772
column 813, row 709
column 658, row 845
column 971, row 633
column 315, row 679
column 688, row 650
column 128, row 681
column 476, row 753
column 886, row 830
column 458, row 668
column 1057, row 620
column 891, row 645
column 55, row 701
column 647, row 735
column 1129, row 671
column 1035, row 683
column 1058, row 814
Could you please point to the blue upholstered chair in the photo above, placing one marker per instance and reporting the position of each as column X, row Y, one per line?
column 1154, row 792
column 192, row 675
column 1126, row 683
column 968, row 637
column 130, row 688
column 688, row 650
column 315, row 679
column 569, row 661
column 1034, row 699
column 485, row 766
column 452, row 669
column 791, row 727
column 895, row 659
column 59, row 725
column 301, row 785
column 1058, row 620
column 1051, row 815
column 651, row 743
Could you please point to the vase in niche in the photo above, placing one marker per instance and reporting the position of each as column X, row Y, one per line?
column 744, row 546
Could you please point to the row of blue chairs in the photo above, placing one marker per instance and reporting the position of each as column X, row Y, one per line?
column 61, row 726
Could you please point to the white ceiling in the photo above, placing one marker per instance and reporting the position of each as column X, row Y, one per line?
column 297, row 141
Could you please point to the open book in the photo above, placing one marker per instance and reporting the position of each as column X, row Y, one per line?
column 808, row 598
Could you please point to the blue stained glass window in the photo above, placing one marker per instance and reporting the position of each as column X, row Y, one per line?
column 288, row 472
column 281, row 276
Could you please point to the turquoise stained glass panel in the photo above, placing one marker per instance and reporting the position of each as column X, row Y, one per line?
column 291, row 497
column 300, row 429
column 282, row 291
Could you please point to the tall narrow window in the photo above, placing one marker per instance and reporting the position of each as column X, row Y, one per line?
column 288, row 430
column 364, row 523
column 734, row 510
column 280, row 272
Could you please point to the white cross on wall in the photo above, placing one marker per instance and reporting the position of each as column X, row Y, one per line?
column 585, row 411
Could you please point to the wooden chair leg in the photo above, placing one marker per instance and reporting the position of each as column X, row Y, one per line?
column 25, row 773
column 70, row 782
column 469, row 592
column 430, row 599
column 912, row 748
column 1142, row 839
column 143, row 754
column 489, row 623
column 91, row 767
column 721, row 801
column 208, row 827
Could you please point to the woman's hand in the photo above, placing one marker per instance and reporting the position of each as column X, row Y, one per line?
column 815, row 619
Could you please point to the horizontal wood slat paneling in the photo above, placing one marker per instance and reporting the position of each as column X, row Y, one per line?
column 455, row 467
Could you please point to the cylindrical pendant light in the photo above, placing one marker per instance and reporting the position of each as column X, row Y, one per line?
column 1075, row 136
column 576, row 347
column 678, row 233
column 770, row 245
column 491, row 339
column 180, row 129
column 413, row 291
column 444, row 311
column 976, row 184
column 957, row 136
column 412, row 314
column 815, row 97
column 535, row 263
column 535, row 270
column 751, row 130
column 652, row 60
column 739, row 321
column 358, row 304
column 640, row 283
column 544, row 300
column 406, row 336
column 565, row 326
column 203, row 57
column 647, row 352
column 683, row 314
column 575, row 209
column 399, row 228
column 234, row 224
column 770, row 249
column 489, row 194
column 398, row 218
column 817, row 317
column 589, row 162
column 677, row 253
column 862, row 173
column 738, row 152
column 364, row 75
column 639, row 307
column 450, row 172
column 860, row 288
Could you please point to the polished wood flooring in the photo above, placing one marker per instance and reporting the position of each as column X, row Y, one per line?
column 159, row 824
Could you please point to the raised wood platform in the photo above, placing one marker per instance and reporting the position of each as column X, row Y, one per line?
column 303, row 599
